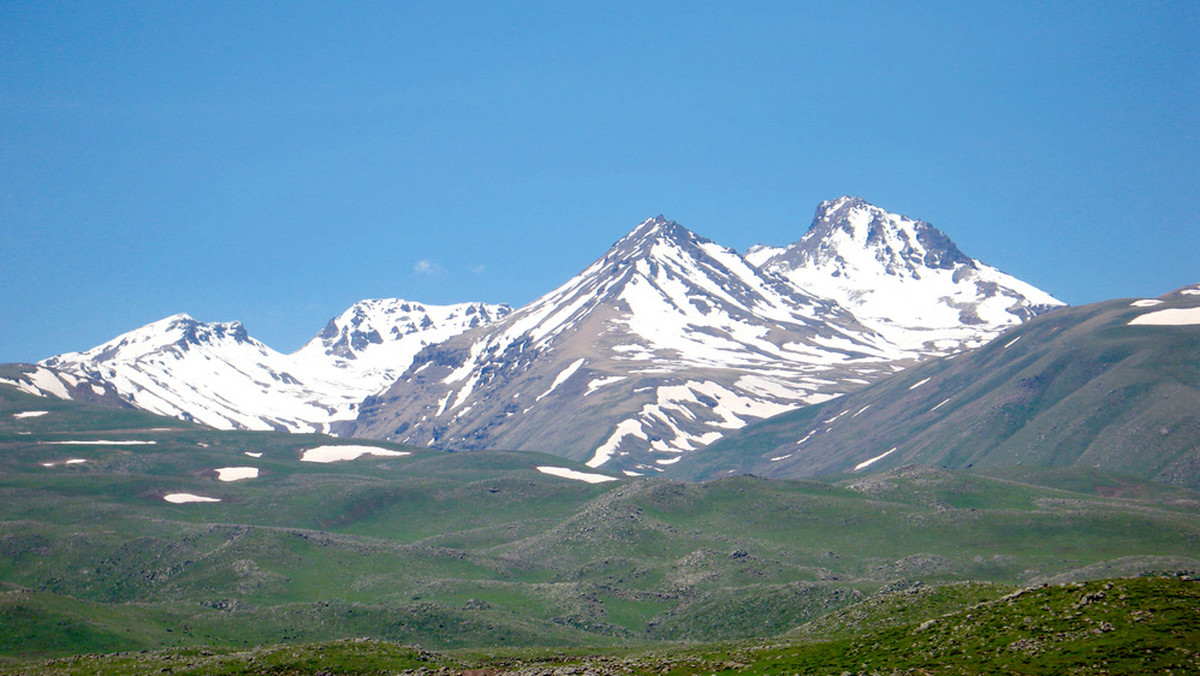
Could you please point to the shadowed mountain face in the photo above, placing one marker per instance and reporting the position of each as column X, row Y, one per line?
column 1113, row 385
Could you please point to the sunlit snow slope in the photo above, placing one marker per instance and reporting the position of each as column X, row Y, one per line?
column 903, row 278
column 216, row 374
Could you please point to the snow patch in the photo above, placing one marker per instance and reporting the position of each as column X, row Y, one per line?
column 338, row 453
column 566, row 473
column 236, row 473
column 253, row 455
column 1188, row 316
column 30, row 414
column 867, row 463
column 601, row 382
column 919, row 383
column 72, row 461
column 181, row 498
column 561, row 378
column 1146, row 302
column 625, row 428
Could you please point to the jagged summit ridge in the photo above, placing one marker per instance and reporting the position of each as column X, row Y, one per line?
column 902, row 277
column 379, row 321
column 649, row 352
column 216, row 374
column 902, row 245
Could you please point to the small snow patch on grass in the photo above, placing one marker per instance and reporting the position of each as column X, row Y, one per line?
column 566, row 473
column 236, row 473
column 30, row 414
column 340, row 453
column 253, row 455
column 181, row 498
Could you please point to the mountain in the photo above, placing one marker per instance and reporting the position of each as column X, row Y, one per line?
column 663, row 345
column 1112, row 386
column 903, row 278
column 660, row 347
column 218, row 375
column 43, row 381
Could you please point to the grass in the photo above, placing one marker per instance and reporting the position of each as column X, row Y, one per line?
column 480, row 551
column 1139, row 625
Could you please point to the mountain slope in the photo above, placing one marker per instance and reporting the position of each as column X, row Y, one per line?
column 657, row 348
column 216, row 374
column 1113, row 385
column 903, row 278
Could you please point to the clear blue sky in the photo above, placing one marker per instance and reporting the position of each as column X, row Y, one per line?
column 275, row 162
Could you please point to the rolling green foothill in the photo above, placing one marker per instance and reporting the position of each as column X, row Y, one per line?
column 485, row 561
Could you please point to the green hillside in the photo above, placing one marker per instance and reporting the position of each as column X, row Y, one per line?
column 1078, row 387
column 484, row 550
column 1123, row 626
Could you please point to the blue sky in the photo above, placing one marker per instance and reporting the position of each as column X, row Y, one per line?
column 275, row 162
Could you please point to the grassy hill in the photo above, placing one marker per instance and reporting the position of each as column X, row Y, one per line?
column 1123, row 626
column 485, row 551
column 1078, row 387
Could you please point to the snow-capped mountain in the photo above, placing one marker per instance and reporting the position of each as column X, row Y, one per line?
column 903, row 278
column 216, row 374
column 655, row 349
column 662, row 346
column 377, row 338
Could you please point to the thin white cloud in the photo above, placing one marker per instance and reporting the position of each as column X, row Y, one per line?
column 478, row 269
column 426, row 267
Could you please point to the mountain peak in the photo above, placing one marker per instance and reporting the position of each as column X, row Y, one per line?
column 903, row 276
column 903, row 246
column 648, row 239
